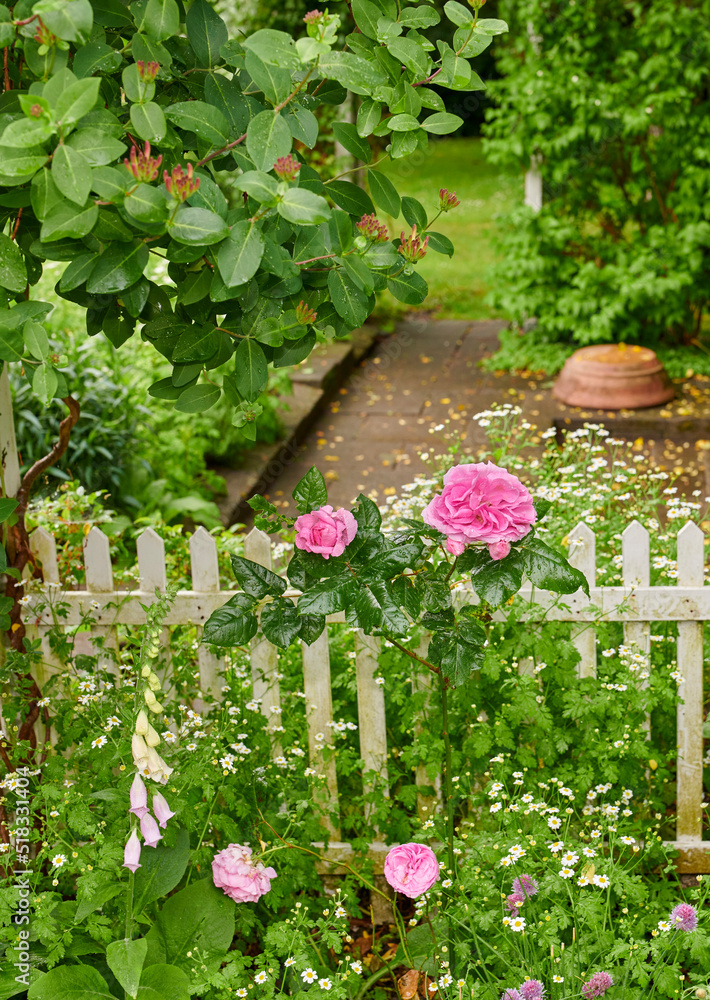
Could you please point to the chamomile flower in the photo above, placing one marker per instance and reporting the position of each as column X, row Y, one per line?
column 356, row 967
column 566, row 872
column 558, row 979
column 58, row 860
column 241, row 992
column 517, row 924
column 100, row 741
column 325, row 984
column 260, row 977
column 309, row 975
column 589, row 852
column 289, row 962
column 602, row 881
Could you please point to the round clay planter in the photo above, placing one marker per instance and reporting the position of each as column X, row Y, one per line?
column 613, row 377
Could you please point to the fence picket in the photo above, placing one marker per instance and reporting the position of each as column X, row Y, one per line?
column 204, row 569
column 99, row 580
column 319, row 713
column 152, row 576
column 636, row 572
column 264, row 656
column 583, row 556
column 689, row 795
column 424, row 682
column 44, row 548
column 372, row 726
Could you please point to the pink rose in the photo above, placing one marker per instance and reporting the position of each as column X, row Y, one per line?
column 481, row 502
column 325, row 531
column 411, row 869
column 242, row 879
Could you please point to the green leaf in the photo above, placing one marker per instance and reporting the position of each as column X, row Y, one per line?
column 347, row 135
column 26, row 132
column 411, row 288
column 148, row 121
column 72, row 174
column 96, row 57
column 125, row 959
column 549, row 569
column 118, row 267
column 350, row 301
column 258, row 185
column 303, row 207
column 273, row 81
column 293, row 352
column 457, row 74
column 351, row 198
column 384, row 193
column 164, row 982
column 207, row 32
column 13, row 273
column 18, row 165
column 311, row 628
column 239, row 256
column 76, row 100
column 461, row 657
column 541, row 507
column 161, row 19
column 250, row 369
column 72, row 21
column 234, row 624
column 419, row 17
column 7, row 506
column 366, row 15
column 491, row 26
column 303, row 126
column 393, row 619
column 410, row 54
column 196, row 344
column 11, row 345
column 70, row 982
column 226, row 96
column 393, row 561
column 45, row 383
column 111, row 14
column 145, row 49
column 442, row 123
column 402, row 123
column 495, row 580
column 440, row 243
column 280, row 622
column 161, row 870
column 276, row 47
column 413, row 211
column 352, row 72
column 340, row 229
column 197, row 398
column 328, row 596
column 368, row 514
column 198, row 226
column 147, row 204
column 368, row 117
column 255, row 580
column 110, row 183
column 459, row 14
column 36, row 340
column 268, row 138
column 310, row 492
column 97, row 146
column 206, row 121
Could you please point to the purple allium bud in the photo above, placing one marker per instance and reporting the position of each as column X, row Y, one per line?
column 510, row 995
column 162, row 810
column 531, row 989
column 684, row 917
column 287, row 167
column 139, row 798
column 597, row 985
column 150, row 831
column 132, row 852
column 525, row 886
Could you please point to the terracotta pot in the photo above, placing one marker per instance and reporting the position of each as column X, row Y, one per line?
column 613, row 377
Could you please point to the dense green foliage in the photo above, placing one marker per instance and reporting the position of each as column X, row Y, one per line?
column 611, row 99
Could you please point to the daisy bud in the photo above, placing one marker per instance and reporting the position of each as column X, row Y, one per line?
column 142, row 723
column 150, row 831
column 132, row 852
column 162, row 810
column 139, row 798
column 139, row 750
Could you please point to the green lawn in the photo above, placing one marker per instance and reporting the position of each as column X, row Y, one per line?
column 457, row 285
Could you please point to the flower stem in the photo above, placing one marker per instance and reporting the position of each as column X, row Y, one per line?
column 449, row 794
column 129, row 906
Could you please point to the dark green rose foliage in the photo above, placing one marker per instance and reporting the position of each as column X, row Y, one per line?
column 612, row 97
column 119, row 125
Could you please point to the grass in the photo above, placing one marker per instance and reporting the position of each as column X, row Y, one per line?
column 457, row 285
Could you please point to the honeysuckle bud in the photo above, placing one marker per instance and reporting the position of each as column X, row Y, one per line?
column 287, row 167
column 139, row 798
column 304, row 313
column 447, row 200
column 142, row 165
column 313, row 17
column 413, row 247
column 139, row 749
column 150, row 831
column 371, row 227
column 43, row 36
column 180, row 185
column 147, row 71
column 142, row 723
column 151, row 737
column 36, row 111
column 132, row 852
column 162, row 810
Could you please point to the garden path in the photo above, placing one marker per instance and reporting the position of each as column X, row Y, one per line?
column 372, row 434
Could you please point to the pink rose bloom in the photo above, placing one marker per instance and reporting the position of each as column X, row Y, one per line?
column 411, row 869
column 481, row 502
column 238, row 876
column 325, row 531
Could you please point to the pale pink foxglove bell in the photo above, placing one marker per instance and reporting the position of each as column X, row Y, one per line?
column 150, row 831
column 139, row 798
column 132, row 852
column 161, row 810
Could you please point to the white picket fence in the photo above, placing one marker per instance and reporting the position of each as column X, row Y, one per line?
column 635, row 603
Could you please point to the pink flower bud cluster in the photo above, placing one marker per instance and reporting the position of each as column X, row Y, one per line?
column 305, row 314
column 181, row 183
column 147, row 71
column 313, row 17
column 413, row 247
column 370, row 226
column 148, row 823
column 447, row 200
column 287, row 167
column 43, row 35
column 142, row 165
column 36, row 111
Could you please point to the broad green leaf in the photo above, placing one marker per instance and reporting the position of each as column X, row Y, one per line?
column 461, row 658
column 311, row 628
column 303, row 126
column 98, row 147
column 368, row 514
column 71, row 21
column 280, row 622
column 226, row 96
column 255, row 580
column 148, row 121
column 411, row 288
column 26, row 132
column 350, row 302
column 111, row 14
column 239, row 256
column 198, row 226
column 234, row 624
column 491, row 26
column 96, row 57
column 340, row 229
column 419, row 17
column 328, row 596
column 414, row 213
column 440, row 243
column 494, row 580
column 359, row 272
column 70, row 982
column 76, row 100
column 347, row 135
column 206, row 121
column 36, row 340
column 351, row 198
column 268, row 138
column 72, row 174
column 470, row 44
column 161, row 19
column 393, row 618
column 276, row 47
column 384, row 193
column 146, row 49
column 45, row 383
column 352, row 72
column 402, row 123
column 197, row 398
column 366, row 14
column 550, row 570
column 135, row 88
column 410, row 54
column 18, row 165
column 393, row 561
column 207, row 32
column 118, row 267
column 303, row 207
column 13, row 273
column 7, row 506
column 259, row 185
column 457, row 74
column 368, row 117
column 456, row 12
column 196, row 343
column 164, row 982
column 147, row 204
column 69, row 221
column 125, row 959
column 273, row 81
column 250, row 369
column 294, row 351
column 11, row 345
column 111, row 183
column 442, row 123
column 310, row 492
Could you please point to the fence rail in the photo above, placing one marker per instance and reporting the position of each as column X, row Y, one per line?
column 635, row 603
